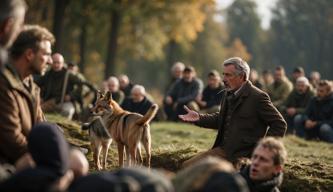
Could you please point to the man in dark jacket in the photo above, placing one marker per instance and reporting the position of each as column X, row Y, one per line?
column 245, row 115
column 184, row 92
column 210, row 99
column 294, row 107
column 59, row 88
column 138, row 102
column 265, row 172
column 318, row 122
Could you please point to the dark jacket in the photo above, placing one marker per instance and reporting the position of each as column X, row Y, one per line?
column 321, row 110
column 127, row 90
column 211, row 96
column 184, row 92
column 262, row 186
column 250, row 118
column 140, row 107
column 19, row 111
column 52, row 85
column 298, row 101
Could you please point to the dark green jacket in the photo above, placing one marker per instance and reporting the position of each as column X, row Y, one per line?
column 298, row 101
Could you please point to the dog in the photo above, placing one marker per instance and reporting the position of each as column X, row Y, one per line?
column 127, row 129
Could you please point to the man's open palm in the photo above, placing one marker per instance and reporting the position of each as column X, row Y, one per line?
column 190, row 116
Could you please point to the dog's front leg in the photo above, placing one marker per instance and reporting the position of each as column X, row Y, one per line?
column 121, row 154
column 106, row 145
column 97, row 150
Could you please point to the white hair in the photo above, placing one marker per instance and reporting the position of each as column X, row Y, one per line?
column 113, row 79
column 303, row 80
column 139, row 88
column 241, row 66
column 178, row 65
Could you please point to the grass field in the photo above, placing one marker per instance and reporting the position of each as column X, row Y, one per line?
column 309, row 167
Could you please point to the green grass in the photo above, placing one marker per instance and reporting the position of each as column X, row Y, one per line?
column 309, row 167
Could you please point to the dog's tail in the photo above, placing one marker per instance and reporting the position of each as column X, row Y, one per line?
column 149, row 115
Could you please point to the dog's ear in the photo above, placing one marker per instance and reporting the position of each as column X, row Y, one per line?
column 108, row 96
column 100, row 94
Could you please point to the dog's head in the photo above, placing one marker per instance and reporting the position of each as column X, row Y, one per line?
column 104, row 104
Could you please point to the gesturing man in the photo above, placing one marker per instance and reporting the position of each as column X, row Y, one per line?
column 246, row 115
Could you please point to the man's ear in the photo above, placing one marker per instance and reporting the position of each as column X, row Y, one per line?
column 29, row 54
column 278, row 169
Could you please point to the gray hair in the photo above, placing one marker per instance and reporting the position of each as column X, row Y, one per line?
column 139, row 88
column 10, row 8
column 113, row 79
column 178, row 65
column 303, row 80
column 241, row 66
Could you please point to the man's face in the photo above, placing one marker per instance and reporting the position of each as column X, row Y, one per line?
column 301, row 87
column 296, row 75
column 113, row 86
column 123, row 82
column 137, row 96
column 15, row 26
column 188, row 76
column 322, row 92
column 213, row 81
column 42, row 58
column 177, row 73
column 262, row 167
column 58, row 62
column 278, row 75
column 232, row 80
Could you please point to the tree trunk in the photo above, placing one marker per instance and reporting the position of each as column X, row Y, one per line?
column 171, row 57
column 83, row 37
column 58, row 22
column 115, row 19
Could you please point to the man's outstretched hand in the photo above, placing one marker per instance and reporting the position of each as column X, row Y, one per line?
column 190, row 116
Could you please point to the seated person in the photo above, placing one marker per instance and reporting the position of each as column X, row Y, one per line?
column 265, row 171
column 294, row 107
column 210, row 99
column 125, row 85
column 318, row 119
column 138, row 102
column 59, row 88
column 113, row 87
column 184, row 92
column 281, row 88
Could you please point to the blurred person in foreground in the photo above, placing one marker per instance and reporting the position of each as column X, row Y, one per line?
column 11, row 21
column 294, row 107
column 19, row 95
column 318, row 119
column 50, row 154
column 265, row 173
column 209, row 175
column 246, row 115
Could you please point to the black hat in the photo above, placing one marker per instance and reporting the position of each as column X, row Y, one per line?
column 49, row 148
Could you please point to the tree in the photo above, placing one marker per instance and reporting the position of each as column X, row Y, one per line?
column 302, row 34
column 244, row 23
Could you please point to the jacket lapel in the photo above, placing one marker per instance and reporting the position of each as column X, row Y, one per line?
column 243, row 93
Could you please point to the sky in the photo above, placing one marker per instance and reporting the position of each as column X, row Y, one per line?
column 264, row 7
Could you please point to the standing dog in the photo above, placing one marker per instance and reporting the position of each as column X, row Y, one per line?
column 126, row 128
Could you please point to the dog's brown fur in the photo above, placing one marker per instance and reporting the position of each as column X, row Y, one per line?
column 126, row 128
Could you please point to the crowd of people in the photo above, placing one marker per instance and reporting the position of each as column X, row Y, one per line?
column 250, row 112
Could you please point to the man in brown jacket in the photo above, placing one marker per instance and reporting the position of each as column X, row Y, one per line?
column 246, row 116
column 19, row 96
